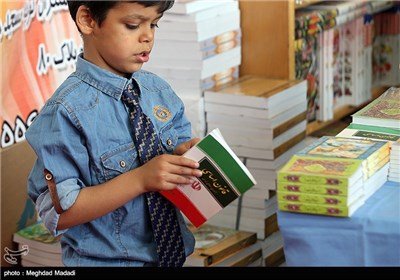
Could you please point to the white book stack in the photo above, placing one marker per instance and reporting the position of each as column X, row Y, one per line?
column 261, row 118
column 394, row 164
column 264, row 121
column 197, row 47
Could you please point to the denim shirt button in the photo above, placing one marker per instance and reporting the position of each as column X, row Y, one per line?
column 169, row 142
column 122, row 163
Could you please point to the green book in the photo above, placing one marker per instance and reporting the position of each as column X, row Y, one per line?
column 224, row 179
column 327, row 210
column 319, row 189
column 341, row 201
column 321, row 171
column 370, row 132
column 382, row 112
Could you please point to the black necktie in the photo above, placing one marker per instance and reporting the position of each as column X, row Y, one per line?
column 167, row 234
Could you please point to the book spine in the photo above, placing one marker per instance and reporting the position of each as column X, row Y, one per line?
column 289, row 124
column 288, row 144
column 371, row 128
column 289, row 177
column 313, row 198
column 316, row 189
column 313, row 208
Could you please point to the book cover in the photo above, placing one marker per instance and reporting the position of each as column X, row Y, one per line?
column 224, row 179
column 383, row 111
column 370, row 132
column 37, row 236
column 370, row 152
column 213, row 243
column 320, row 170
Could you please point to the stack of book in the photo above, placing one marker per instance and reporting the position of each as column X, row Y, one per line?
column 306, row 185
column 38, row 247
column 373, row 154
column 264, row 122
column 218, row 246
column 316, row 172
column 197, row 47
column 382, row 112
column 394, row 167
column 379, row 120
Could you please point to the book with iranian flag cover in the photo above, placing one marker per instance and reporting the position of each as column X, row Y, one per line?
column 224, row 179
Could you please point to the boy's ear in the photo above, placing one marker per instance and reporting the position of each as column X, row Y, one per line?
column 84, row 20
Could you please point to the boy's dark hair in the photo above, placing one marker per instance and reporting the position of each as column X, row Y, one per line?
column 99, row 9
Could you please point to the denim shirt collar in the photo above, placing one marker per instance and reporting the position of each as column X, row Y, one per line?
column 104, row 80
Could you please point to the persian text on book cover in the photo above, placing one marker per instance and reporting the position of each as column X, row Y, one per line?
column 324, row 171
column 224, row 179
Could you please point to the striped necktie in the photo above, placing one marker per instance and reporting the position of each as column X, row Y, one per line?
column 167, row 234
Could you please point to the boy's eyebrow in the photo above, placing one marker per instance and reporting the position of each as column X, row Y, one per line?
column 141, row 17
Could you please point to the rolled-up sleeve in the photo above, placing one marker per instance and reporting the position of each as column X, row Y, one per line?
column 58, row 144
column 67, row 193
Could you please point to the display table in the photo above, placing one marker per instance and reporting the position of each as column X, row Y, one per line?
column 371, row 237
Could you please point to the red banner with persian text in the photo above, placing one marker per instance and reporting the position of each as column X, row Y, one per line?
column 39, row 45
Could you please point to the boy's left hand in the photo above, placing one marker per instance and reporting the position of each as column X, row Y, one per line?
column 182, row 148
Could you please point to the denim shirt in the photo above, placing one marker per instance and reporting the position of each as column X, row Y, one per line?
column 83, row 137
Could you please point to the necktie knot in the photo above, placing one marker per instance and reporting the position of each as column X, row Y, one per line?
column 130, row 95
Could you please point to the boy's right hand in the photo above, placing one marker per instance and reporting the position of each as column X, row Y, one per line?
column 165, row 172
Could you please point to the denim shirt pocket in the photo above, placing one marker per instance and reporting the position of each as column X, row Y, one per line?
column 119, row 160
column 169, row 137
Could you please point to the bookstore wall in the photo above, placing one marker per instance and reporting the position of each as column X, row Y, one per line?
column 266, row 73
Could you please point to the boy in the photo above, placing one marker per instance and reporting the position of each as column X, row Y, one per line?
column 88, row 182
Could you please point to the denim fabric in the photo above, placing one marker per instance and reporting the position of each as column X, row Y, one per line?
column 83, row 137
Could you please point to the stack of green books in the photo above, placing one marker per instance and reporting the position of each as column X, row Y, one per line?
column 333, row 176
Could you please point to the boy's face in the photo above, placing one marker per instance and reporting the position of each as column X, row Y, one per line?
column 124, row 41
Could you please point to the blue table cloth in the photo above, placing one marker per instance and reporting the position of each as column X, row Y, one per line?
column 370, row 237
